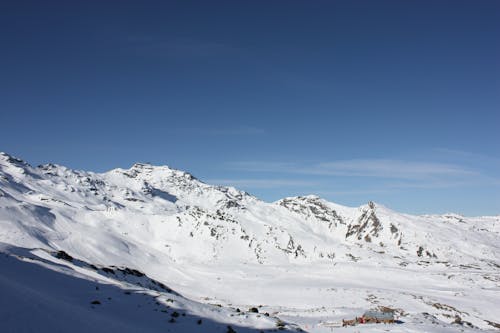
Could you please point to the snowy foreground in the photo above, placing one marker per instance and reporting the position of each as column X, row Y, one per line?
column 152, row 249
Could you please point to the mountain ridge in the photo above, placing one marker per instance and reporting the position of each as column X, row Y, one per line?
column 179, row 231
column 137, row 166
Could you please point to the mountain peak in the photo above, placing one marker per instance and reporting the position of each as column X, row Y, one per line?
column 12, row 159
column 144, row 165
column 301, row 198
column 150, row 168
column 311, row 197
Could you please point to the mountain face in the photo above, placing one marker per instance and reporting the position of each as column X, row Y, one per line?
column 213, row 223
column 180, row 231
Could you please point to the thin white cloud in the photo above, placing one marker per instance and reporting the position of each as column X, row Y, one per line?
column 432, row 184
column 374, row 168
column 262, row 183
column 385, row 168
column 260, row 166
column 467, row 155
column 353, row 192
column 386, row 175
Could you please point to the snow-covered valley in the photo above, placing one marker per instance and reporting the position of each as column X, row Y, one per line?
column 149, row 241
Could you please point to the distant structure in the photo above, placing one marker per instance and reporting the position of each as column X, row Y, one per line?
column 380, row 315
column 383, row 315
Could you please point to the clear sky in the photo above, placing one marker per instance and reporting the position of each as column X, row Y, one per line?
column 392, row 101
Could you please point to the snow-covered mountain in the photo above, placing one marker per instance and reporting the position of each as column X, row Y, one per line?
column 303, row 259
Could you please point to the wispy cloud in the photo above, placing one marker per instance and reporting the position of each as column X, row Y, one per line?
column 386, row 168
column 263, row 183
column 467, row 155
column 375, row 168
column 353, row 192
column 430, row 184
column 384, row 174
column 261, row 166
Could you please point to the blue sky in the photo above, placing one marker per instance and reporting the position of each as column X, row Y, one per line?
column 392, row 101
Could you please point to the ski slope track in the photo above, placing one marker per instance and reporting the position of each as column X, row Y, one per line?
column 153, row 249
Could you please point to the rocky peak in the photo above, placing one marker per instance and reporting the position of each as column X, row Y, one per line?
column 157, row 171
column 55, row 170
column 312, row 206
column 8, row 159
column 367, row 225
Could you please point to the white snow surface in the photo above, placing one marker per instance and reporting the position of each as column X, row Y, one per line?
column 304, row 261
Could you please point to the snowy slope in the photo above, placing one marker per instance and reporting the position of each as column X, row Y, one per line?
column 44, row 293
column 303, row 258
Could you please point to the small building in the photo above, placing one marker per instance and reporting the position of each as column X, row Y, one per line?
column 382, row 314
column 379, row 316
